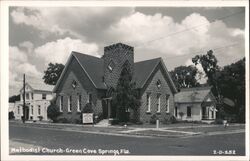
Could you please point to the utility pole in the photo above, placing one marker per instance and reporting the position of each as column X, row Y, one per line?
column 24, row 105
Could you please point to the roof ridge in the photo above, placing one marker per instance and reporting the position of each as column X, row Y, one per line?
column 148, row 60
column 75, row 52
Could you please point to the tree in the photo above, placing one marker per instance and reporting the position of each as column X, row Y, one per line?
column 231, row 82
column 53, row 112
column 52, row 73
column 126, row 95
column 14, row 98
column 211, row 69
column 185, row 76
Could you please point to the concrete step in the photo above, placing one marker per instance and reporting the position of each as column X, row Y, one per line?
column 103, row 123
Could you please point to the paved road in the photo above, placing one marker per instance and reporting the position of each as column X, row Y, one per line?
column 55, row 139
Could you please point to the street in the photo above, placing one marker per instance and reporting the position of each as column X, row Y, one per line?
column 80, row 143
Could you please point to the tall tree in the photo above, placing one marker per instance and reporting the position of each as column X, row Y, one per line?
column 126, row 94
column 231, row 82
column 185, row 76
column 52, row 73
column 211, row 69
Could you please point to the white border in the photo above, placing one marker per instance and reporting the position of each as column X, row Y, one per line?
column 5, row 74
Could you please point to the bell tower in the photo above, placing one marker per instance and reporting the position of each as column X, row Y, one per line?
column 114, row 58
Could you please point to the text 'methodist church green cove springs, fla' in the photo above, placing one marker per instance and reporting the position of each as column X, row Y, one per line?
column 88, row 79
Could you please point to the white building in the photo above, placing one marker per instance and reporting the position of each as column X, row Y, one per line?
column 37, row 99
column 195, row 104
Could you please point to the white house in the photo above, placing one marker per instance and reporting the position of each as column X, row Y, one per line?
column 37, row 99
column 195, row 104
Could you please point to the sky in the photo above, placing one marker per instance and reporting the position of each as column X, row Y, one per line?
column 40, row 35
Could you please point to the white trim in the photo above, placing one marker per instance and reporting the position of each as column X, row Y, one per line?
column 159, row 103
column 167, row 109
column 60, row 103
column 69, row 104
column 78, row 103
column 148, row 97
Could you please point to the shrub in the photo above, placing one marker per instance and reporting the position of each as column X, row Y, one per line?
column 218, row 121
column 63, row 120
column 153, row 119
column 53, row 112
column 87, row 108
column 169, row 119
column 40, row 118
column 11, row 115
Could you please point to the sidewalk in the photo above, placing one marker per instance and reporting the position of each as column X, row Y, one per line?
column 135, row 131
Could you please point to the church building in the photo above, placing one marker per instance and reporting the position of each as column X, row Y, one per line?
column 88, row 79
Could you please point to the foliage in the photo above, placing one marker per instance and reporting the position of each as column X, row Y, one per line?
column 181, row 114
column 231, row 83
column 185, row 76
column 226, row 82
column 169, row 119
column 11, row 115
column 126, row 95
column 63, row 120
column 52, row 73
column 53, row 112
column 87, row 108
column 14, row 98
column 153, row 119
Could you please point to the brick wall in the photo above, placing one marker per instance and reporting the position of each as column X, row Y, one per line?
column 83, row 88
column 119, row 54
column 152, row 88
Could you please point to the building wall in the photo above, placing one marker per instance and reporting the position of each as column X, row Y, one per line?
column 119, row 54
column 152, row 88
column 83, row 88
column 196, row 113
column 43, row 104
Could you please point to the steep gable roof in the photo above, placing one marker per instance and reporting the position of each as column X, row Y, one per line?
column 145, row 69
column 198, row 94
column 94, row 68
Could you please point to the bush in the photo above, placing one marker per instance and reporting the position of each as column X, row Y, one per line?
column 218, row 121
column 53, row 112
column 11, row 115
column 40, row 118
column 63, row 120
column 153, row 119
column 87, row 108
column 169, row 119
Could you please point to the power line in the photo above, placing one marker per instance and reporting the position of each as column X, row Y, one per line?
column 200, row 51
column 187, row 29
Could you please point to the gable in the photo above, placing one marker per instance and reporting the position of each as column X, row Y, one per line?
column 73, row 67
column 144, row 71
column 28, row 88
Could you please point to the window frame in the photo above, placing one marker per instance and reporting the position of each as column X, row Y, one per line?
column 38, row 110
column 148, row 102
column 167, row 103
column 79, row 103
column 158, row 104
column 61, row 104
column 69, row 103
column 189, row 110
column 44, row 94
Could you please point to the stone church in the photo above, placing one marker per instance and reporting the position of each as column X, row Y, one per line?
column 88, row 79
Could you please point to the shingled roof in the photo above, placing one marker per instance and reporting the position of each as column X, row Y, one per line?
column 197, row 95
column 93, row 66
